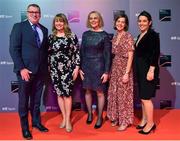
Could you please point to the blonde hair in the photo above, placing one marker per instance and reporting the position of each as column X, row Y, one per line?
column 61, row 17
column 101, row 22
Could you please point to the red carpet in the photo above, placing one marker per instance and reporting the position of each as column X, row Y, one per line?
column 168, row 122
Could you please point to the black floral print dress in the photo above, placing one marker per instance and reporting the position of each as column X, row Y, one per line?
column 63, row 58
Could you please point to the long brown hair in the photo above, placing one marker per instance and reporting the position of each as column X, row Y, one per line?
column 61, row 17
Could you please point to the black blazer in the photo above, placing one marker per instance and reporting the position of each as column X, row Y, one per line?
column 149, row 48
column 24, row 51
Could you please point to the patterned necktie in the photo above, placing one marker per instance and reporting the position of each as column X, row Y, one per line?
column 36, row 35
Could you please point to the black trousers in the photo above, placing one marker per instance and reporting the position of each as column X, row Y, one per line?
column 30, row 99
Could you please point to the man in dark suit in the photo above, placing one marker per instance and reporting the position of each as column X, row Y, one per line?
column 28, row 49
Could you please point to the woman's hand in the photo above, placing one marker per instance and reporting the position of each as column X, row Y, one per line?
column 150, row 75
column 81, row 74
column 75, row 73
column 104, row 78
column 125, row 78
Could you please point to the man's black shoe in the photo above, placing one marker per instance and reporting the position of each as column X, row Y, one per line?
column 40, row 127
column 26, row 134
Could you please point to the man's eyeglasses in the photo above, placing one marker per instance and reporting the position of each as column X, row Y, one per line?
column 33, row 12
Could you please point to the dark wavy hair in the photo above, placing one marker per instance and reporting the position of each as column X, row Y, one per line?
column 147, row 15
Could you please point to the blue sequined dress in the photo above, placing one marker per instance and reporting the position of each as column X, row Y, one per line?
column 95, row 58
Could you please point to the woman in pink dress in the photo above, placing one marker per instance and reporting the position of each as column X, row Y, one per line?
column 120, row 94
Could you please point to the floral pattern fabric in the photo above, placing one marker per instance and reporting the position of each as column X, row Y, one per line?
column 120, row 95
column 63, row 58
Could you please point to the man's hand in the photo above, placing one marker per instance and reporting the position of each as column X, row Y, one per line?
column 25, row 74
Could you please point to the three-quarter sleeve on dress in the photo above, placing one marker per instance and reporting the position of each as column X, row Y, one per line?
column 107, row 53
column 82, row 51
column 76, row 51
column 50, row 38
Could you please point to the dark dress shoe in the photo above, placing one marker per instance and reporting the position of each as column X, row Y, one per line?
column 40, row 127
column 146, row 133
column 26, row 134
column 89, row 119
column 98, row 125
column 140, row 127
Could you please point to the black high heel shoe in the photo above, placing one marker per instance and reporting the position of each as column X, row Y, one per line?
column 96, row 126
column 146, row 133
column 89, row 119
column 140, row 127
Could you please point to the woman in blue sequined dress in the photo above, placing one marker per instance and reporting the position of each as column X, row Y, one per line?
column 95, row 64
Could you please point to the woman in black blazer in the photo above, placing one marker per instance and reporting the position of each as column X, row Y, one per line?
column 147, row 53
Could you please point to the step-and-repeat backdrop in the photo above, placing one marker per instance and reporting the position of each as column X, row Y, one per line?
column 165, row 14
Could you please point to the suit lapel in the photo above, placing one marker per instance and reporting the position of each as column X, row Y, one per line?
column 43, row 34
column 30, row 32
column 143, row 38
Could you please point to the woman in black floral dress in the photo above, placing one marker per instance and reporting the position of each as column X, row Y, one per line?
column 64, row 65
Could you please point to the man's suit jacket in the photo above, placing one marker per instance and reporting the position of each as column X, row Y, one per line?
column 24, row 50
